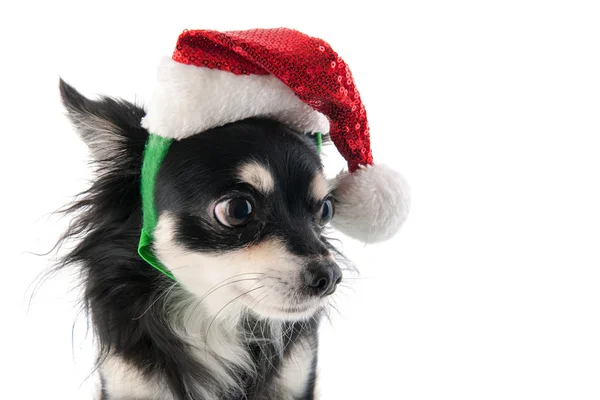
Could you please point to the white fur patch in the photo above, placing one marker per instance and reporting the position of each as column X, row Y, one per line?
column 294, row 372
column 372, row 203
column 257, row 176
column 124, row 382
column 188, row 100
column 216, row 342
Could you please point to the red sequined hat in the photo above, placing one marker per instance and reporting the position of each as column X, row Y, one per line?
column 215, row 78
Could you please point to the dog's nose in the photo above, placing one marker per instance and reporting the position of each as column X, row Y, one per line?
column 322, row 277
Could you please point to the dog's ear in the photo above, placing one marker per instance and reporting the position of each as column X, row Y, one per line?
column 106, row 125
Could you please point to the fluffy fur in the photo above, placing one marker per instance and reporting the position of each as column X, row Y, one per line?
column 372, row 203
column 188, row 99
column 241, row 322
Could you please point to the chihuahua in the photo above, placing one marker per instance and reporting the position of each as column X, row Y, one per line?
column 242, row 216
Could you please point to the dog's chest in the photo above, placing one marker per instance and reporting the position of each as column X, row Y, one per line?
column 275, row 361
column 283, row 377
column 288, row 379
column 265, row 362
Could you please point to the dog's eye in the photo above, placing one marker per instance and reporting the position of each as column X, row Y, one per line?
column 327, row 211
column 234, row 212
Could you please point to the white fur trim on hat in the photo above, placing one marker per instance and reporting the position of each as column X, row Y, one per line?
column 371, row 203
column 190, row 99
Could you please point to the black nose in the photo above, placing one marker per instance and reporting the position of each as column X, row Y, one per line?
column 322, row 277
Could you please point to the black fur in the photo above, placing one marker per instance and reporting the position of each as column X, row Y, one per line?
column 124, row 296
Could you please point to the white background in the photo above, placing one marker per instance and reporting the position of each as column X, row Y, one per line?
column 490, row 109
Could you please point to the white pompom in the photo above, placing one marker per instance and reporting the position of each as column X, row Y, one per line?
column 371, row 203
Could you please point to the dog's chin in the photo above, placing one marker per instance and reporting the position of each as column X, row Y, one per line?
column 294, row 312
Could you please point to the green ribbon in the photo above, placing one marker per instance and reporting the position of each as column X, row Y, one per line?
column 154, row 153
column 319, row 140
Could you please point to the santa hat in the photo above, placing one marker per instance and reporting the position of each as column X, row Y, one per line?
column 215, row 78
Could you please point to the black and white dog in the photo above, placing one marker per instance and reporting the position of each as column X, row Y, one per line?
column 242, row 210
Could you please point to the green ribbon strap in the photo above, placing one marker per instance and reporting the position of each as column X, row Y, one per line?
column 154, row 153
column 319, row 140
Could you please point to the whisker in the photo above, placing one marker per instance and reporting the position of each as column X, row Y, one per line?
column 327, row 314
column 335, row 307
column 221, row 285
column 341, row 292
column 343, row 286
column 264, row 353
column 263, row 341
column 225, row 284
column 164, row 294
column 228, row 303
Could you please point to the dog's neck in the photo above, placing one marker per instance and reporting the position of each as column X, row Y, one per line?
column 225, row 341
column 244, row 352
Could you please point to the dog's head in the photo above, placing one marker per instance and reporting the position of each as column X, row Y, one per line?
column 242, row 208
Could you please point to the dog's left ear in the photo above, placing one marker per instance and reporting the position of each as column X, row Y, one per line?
column 107, row 125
